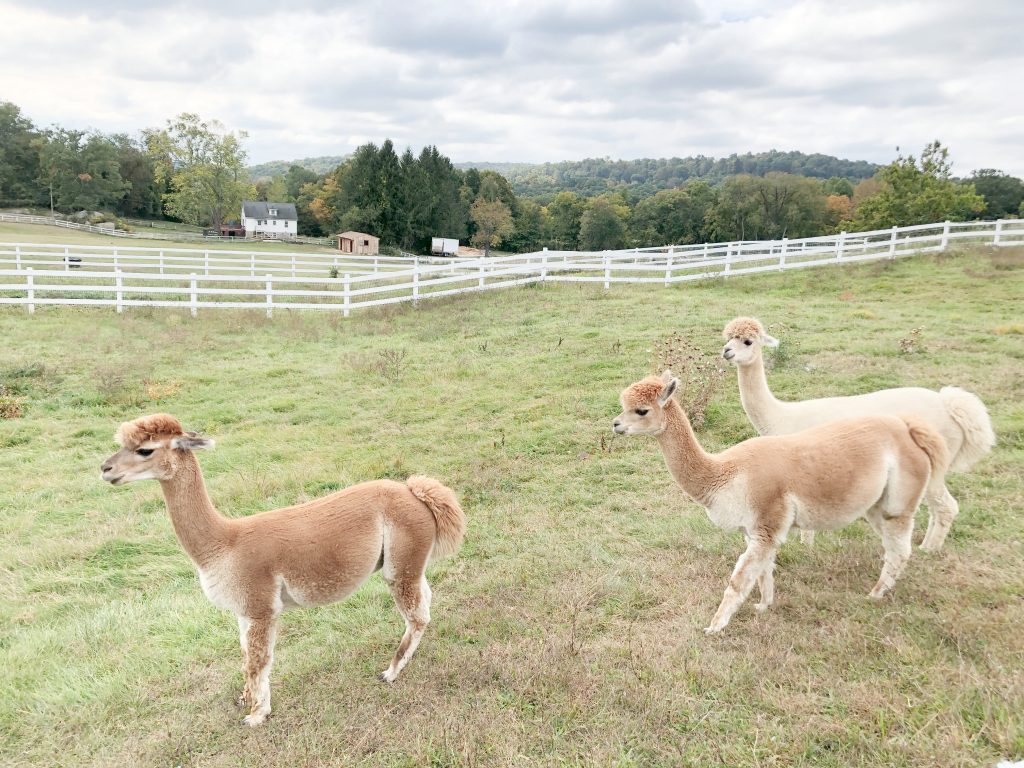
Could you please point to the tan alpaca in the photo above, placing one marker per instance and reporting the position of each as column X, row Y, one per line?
column 959, row 416
column 309, row 554
column 823, row 478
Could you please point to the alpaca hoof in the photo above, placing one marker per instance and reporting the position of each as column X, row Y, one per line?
column 254, row 718
column 928, row 547
column 762, row 607
column 386, row 677
column 712, row 630
column 876, row 594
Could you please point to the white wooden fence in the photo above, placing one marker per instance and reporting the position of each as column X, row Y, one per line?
column 34, row 275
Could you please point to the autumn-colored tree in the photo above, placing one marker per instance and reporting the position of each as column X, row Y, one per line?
column 493, row 220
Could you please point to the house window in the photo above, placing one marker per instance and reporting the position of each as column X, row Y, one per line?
column 273, row 211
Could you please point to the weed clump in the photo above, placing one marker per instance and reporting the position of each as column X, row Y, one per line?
column 10, row 404
column 700, row 376
column 912, row 343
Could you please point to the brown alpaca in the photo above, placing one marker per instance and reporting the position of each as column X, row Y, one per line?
column 959, row 416
column 822, row 478
column 309, row 554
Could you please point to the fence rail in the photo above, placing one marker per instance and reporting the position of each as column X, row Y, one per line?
column 34, row 275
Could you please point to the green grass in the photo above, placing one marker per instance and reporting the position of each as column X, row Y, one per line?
column 49, row 234
column 567, row 632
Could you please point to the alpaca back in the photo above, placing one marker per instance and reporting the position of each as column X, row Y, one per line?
column 448, row 515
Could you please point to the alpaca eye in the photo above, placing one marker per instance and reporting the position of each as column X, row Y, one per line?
column 145, row 452
column 642, row 411
column 748, row 342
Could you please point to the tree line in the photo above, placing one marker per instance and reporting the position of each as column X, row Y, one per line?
column 194, row 171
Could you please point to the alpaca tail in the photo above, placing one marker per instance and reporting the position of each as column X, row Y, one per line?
column 448, row 515
column 928, row 439
column 969, row 413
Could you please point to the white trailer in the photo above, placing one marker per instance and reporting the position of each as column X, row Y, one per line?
column 444, row 246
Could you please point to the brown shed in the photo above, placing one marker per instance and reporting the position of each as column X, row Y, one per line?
column 358, row 243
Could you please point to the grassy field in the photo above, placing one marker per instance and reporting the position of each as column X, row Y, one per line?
column 567, row 632
column 42, row 233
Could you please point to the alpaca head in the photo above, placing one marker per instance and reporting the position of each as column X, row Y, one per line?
column 744, row 338
column 152, row 448
column 643, row 405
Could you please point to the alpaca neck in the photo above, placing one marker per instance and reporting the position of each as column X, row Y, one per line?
column 696, row 471
column 758, row 401
column 199, row 527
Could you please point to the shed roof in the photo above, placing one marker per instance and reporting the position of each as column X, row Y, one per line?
column 354, row 235
column 261, row 210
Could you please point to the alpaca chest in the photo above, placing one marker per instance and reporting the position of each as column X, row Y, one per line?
column 218, row 585
column 730, row 506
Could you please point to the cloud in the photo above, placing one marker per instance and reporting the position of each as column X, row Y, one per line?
column 532, row 80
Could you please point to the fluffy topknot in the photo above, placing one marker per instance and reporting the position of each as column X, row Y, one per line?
column 744, row 328
column 132, row 434
column 645, row 391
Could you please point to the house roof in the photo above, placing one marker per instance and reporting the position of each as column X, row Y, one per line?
column 353, row 235
column 261, row 210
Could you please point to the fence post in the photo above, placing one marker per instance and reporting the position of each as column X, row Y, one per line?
column 252, row 265
column 481, row 279
column 67, row 259
column 945, row 236
column 17, row 257
column 415, row 280
column 840, row 243
column 607, row 271
column 114, row 250
column 194, row 298
column 270, row 295
column 119, row 293
column 346, row 298
column 668, row 265
column 892, row 243
column 293, row 265
column 206, row 262
column 728, row 259
column 544, row 265
column 161, row 261
column 705, row 257
column 999, row 232
column 31, row 293
column 782, row 253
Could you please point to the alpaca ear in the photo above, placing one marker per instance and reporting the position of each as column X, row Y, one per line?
column 191, row 442
column 668, row 390
column 769, row 341
column 666, row 376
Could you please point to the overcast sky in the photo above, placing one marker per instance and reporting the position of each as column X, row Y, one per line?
column 535, row 80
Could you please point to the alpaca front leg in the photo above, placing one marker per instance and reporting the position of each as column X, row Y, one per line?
column 260, row 637
column 757, row 558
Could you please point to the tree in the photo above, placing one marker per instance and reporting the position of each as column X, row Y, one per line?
column 81, row 173
column 603, row 225
column 1003, row 193
column 19, row 157
column 915, row 193
column 493, row 221
column 564, row 214
column 204, row 168
column 672, row 216
column 143, row 198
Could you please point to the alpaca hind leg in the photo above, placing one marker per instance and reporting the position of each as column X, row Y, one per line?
column 260, row 638
column 766, row 586
column 245, row 699
column 757, row 558
column 412, row 597
column 896, row 539
column 942, row 509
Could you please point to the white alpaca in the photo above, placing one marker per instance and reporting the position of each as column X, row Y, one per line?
column 311, row 554
column 824, row 478
column 959, row 416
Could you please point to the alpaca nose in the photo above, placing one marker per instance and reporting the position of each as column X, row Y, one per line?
column 106, row 467
column 728, row 354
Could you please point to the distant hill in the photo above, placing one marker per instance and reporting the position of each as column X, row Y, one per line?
column 318, row 165
column 646, row 176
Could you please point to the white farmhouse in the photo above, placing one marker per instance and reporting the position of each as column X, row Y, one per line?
column 269, row 219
